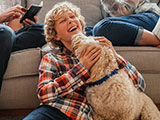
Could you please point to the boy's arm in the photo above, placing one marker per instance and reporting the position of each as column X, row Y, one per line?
column 51, row 84
column 134, row 75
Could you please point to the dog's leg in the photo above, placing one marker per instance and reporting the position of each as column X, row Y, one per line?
column 149, row 110
column 125, row 116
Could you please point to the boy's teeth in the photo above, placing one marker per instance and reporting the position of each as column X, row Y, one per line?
column 72, row 29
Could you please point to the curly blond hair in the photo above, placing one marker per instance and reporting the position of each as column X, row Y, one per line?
column 51, row 17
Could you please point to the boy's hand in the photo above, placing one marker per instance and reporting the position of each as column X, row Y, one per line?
column 104, row 41
column 90, row 56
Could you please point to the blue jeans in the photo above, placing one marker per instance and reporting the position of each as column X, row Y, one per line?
column 27, row 37
column 7, row 37
column 123, row 31
column 45, row 112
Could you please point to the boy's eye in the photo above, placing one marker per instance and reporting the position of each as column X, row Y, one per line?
column 61, row 21
column 72, row 16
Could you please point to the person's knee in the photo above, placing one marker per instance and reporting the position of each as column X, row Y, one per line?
column 39, row 25
column 102, row 27
column 7, row 35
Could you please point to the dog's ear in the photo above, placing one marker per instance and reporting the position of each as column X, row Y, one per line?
column 75, row 44
column 79, row 53
column 74, row 47
column 75, row 41
column 78, row 43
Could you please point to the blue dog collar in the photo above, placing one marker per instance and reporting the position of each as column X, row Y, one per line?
column 105, row 78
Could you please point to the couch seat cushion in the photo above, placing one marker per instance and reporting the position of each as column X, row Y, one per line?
column 23, row 63
column 145, row 59
column 147, row 62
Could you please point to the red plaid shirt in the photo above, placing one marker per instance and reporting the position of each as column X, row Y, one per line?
column 62, row 83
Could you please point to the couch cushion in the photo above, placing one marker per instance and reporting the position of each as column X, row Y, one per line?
column 20, row 62
column 152, row 88
column 144, row 58
column 20, row 80
column 19, row 93
column 147, row 62
column 90, row 9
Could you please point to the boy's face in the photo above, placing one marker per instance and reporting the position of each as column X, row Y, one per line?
column 66, row 25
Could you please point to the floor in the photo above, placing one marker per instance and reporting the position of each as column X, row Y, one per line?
column 14, row 114
column 11, row 117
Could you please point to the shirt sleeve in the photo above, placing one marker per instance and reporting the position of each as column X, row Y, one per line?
column 51, row 85
column 134, row 75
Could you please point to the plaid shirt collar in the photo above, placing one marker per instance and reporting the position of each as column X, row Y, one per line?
column 64, row 51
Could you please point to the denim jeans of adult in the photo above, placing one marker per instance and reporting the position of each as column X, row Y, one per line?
column 45, row 112
column 7, row 37
column 28, row 37
column 123, row 31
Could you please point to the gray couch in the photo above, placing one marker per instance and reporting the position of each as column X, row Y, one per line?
column 20, row 80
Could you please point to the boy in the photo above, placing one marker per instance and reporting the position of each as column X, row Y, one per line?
column 61, row 86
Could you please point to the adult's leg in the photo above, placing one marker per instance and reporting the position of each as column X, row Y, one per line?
column 148, row 38
column 45, row 112
column 145, row 20
column 118, row 32
column 127, row 30
column 7, row 37
column 29, row 37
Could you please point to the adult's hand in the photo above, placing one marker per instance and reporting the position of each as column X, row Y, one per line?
column 90, row 56
column 11, row 14
column 30, row 22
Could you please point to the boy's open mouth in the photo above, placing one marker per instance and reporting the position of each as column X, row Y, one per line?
column 72, row 29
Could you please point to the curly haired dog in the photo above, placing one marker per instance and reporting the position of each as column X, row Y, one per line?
column 116, row 98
